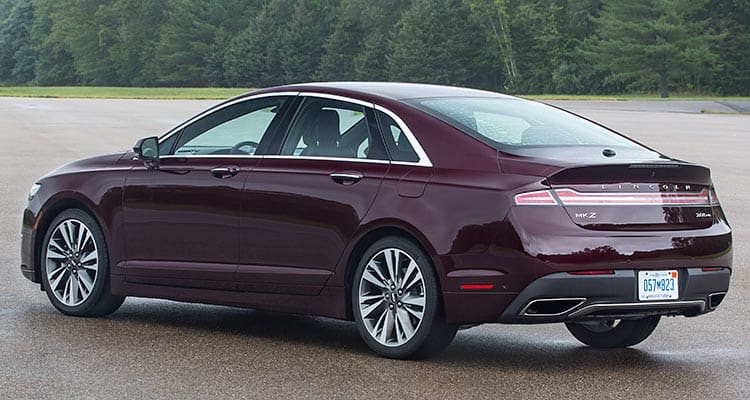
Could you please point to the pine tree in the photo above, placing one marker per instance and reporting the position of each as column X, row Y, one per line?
column 437, row 42
column 337, row 62
column 252, row 56
column 17, row 55
column 302, row 41
column 651, row 40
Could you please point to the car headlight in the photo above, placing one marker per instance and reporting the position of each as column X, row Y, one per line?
column 34, row 190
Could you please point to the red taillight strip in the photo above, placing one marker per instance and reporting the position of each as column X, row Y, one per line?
column 570, row 197
column 538, row 198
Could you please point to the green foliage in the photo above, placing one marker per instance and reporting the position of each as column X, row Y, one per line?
column 437, row 41
column 16, row 52
column 648, row 41
column 517, row 46
column 302, row 40
column 252, row 57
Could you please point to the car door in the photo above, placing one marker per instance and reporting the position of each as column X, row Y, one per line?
column 301, row 207
column 181, row 219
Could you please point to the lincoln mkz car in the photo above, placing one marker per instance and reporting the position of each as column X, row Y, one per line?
column 413, row 210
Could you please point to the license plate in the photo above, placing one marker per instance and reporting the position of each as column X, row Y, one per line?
column 658, row 285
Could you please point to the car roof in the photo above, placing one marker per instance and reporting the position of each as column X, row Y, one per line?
column 391, row 90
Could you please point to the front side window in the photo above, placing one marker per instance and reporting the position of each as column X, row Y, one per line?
column 507, row 123
column 238, row 129
column 333, row 129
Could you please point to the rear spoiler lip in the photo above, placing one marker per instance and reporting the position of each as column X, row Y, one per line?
column 672, row 172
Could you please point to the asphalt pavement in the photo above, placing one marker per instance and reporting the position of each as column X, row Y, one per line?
column 162, row 349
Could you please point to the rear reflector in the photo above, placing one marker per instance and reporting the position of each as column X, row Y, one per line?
column 593, row 272
column 538, row 198
column 477, row 286
column 570, row 197
column 711, row 269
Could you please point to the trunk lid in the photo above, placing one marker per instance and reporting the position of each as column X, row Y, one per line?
column 641, row 191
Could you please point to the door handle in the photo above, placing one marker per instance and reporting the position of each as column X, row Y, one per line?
column 225, row 172
column 346, row 178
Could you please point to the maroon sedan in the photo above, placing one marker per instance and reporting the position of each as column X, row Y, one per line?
column 410, row 209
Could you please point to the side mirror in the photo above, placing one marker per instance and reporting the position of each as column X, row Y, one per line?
column 147, row 150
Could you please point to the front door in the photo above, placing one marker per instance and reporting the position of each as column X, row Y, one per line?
column 181, row 220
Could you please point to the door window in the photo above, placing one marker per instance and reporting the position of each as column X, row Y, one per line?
column 333, row 129
column 238, row 129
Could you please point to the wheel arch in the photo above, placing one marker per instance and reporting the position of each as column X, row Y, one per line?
column 372, row 235
column 51, row 210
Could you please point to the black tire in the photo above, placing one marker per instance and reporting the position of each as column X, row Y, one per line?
column 625, row 334
column 100, row 300
column 432, row 334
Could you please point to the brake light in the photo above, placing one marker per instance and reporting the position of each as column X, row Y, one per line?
column 593, row 272
column 537, row 198
column 570, row 197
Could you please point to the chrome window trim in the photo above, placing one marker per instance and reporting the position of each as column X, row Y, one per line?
column 211, row 110
column 211, row 156
column 362, row 160
column 424, row 160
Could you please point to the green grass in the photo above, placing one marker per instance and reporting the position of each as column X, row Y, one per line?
column 101, row 92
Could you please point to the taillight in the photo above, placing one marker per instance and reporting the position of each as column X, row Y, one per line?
column 570, row 197
column 712, row 197
column 537, row 198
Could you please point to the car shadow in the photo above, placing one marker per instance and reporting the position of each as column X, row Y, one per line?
column 482, row 349
column 296, row 328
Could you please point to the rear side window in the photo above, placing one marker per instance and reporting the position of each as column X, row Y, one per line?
column 507, row 123
column 396, row 142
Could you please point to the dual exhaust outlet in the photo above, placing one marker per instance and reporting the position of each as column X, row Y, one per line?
column 557, row 307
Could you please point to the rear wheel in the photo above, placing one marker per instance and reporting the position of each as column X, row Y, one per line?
column 613, row 333
column 75, row 266
column 396, row 301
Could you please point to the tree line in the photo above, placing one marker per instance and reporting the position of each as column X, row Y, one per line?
column 515, row 46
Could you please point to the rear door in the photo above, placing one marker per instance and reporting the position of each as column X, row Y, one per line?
column 301, row 207
column 181, row 220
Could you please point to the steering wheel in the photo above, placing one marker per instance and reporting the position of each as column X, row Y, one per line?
column 236, row 148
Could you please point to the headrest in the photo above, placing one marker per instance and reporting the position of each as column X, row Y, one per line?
column 325, row 129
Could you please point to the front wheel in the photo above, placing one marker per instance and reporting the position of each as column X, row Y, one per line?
column 396, row 301
column 613, row 333
column 75, row 266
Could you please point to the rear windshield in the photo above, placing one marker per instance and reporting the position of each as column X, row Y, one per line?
column 507, row 123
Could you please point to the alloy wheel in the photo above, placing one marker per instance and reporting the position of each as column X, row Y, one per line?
column 72, row 262
column 392, row 297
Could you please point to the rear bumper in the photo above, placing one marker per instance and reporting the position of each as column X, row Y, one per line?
column 561, row 297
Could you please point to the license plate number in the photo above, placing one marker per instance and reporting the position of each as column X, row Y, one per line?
column 658, row 285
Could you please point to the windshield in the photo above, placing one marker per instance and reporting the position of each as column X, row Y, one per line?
column 507, row 123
